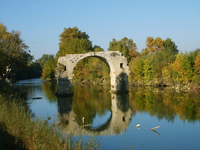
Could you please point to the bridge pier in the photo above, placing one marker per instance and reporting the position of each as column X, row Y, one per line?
column 119, row 83
column 64, row 87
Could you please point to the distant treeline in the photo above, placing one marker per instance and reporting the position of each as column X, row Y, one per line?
column 159, row 63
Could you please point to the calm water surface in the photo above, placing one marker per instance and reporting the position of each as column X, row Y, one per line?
column 112, row 119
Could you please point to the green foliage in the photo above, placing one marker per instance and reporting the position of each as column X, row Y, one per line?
column 165, row 67
column 126, row 46
column 97, row 48
column 14, row 53
column 147, row 69
column 136, row 68
column 189, row 66
column 43, row 59
column 91, row 70
column 170, row 46
column 184, row 68
column 73, row 41
column 72, row 33
column 141, row 70
column 75, row 46
column 160, row 60
column 48, row 71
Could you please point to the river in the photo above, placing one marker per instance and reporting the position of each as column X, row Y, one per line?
column 146, row 118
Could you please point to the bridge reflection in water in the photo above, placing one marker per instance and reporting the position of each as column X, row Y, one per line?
column 116, row 124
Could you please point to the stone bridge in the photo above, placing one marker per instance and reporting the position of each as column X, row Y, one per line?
column 117, row 123
column 117, row 63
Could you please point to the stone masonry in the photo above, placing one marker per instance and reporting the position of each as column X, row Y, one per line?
column 117, row 63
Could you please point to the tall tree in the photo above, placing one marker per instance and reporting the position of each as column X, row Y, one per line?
column 72, row 33
column 73, row 41
column 126, row 46
column 178, row 68
column 14, row 52
column 153, row 45
column 170, row 46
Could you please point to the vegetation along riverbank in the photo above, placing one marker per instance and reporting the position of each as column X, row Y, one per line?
column 19, row 131
column 160, row 63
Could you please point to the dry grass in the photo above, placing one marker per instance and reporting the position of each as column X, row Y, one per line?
column 35, row 134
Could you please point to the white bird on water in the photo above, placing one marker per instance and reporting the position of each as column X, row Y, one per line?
column 138, row 126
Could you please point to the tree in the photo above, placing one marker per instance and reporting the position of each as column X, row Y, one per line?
column 14, row 53
column 197, row 61
column 126, row 46
column 170, row 46
column 72, row 33
column 189, row 65
column 75, row 46
column 43, row 59
column 153, row 45
column 136, row 68
column 177, row 66
column 48, row 71
column 73, row 41
column 97, row 48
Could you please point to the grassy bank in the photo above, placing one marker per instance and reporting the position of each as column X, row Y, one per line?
column 21, row 132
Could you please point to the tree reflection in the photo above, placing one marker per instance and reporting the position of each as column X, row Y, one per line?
column 90, row 101
column 165, row 103
column 87, row 103
column 49, row 89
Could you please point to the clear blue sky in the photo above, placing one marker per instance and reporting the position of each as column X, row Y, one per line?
column 42, row 21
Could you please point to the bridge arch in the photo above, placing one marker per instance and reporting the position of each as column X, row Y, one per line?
column 117, row 63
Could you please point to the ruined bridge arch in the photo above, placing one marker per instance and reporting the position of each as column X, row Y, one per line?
column 117, row 63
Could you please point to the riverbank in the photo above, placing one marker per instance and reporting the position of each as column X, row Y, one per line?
column 20, row 131
column 192, row 87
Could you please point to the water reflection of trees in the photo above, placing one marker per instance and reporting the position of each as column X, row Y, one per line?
column 49, row 89
column 165, row 103
column 89, row 101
